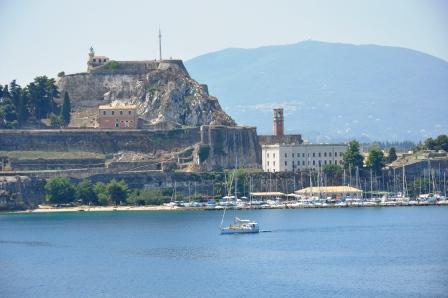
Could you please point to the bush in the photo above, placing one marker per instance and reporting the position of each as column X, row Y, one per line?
column 55, row 120
column 111, row 65
column 148, row 197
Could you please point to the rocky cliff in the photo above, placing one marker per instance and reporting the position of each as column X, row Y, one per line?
column 163, row 91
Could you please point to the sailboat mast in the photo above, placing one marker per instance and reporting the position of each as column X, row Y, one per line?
column 404, row 183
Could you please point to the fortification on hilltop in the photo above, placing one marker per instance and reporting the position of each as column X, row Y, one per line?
column 162, row 90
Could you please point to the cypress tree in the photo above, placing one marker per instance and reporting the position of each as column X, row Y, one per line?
column 66, row 109
column 392, row 155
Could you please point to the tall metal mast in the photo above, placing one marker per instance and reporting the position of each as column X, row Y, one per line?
column 160, row 45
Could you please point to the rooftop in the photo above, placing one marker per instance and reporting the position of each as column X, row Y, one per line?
column 328, row 189
column 117, row 105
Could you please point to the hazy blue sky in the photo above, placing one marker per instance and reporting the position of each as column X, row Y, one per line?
column 45, row 37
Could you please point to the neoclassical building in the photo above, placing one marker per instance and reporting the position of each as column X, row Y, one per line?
column 293, row 157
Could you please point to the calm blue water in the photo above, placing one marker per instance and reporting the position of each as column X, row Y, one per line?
column 370, row 252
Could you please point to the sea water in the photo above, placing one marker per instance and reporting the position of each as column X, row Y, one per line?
column 350, row 252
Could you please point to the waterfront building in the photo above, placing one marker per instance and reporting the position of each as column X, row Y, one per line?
column 329, row 191
column 117, row 115
column 294, row 157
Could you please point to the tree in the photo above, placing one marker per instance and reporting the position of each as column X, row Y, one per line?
column 352, row 157
column 42, row 92
column 100, row 190
column 86, row 193
column 332, row 172
column 20, row 101
column 59, row 190
column 118, row 191
column 66, row 109
column 375, row 160
column 392, row 155
column 442, row 143
column 8, row 114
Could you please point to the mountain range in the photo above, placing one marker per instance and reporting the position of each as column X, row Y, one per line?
column 331, row 91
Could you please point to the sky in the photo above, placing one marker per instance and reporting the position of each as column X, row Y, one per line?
column 47, row 36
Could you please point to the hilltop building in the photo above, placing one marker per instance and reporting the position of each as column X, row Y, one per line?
column 117, row 115
column 95, row 61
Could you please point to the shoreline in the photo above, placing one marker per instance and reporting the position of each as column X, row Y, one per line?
column 49, row 209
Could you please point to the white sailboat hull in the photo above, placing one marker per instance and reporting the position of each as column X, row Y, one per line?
column 239, row 231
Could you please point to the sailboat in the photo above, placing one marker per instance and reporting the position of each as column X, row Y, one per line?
column 239, row 226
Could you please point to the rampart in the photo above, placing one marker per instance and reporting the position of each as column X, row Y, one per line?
column 96, row 140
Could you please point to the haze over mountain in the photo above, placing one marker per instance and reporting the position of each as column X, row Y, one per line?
column 331, row 91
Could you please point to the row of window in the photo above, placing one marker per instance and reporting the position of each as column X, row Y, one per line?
column 319, row 154
column 126, row 123
column 99, row 60
column 113, row 113
column 320, row 162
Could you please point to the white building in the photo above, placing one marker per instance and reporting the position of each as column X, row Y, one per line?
column 293, row 157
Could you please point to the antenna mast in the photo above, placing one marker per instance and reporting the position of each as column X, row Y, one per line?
column 160, row 45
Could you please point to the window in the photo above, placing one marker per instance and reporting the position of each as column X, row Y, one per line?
column 94, row 60
column 273, row 155
column 286, row 163
column 314, row 154
column 325, row 162
column 104, row 112
column 329, row 162
column 268, row 163
column 329, row 154
column 303, row 154
column 319, row 154
column 314, row 162
column 267, row 154
column 293, row 155
column 130, row 112
column 121, row 112
column 293, row 163
column 116, row 124
column 325, row 154
column 320, row 163
column 286, row 155
column 274, row 163
column 113, row 112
